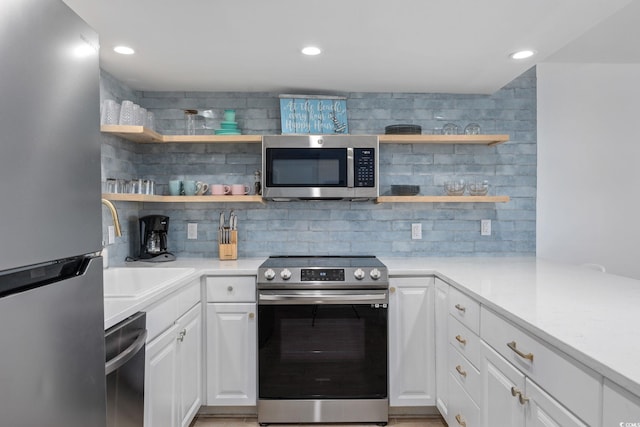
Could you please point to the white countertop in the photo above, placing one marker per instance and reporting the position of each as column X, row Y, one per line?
column 591, row 316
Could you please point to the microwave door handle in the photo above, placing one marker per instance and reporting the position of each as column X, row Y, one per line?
column 350, row 167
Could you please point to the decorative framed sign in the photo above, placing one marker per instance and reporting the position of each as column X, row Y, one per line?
column 309, row 114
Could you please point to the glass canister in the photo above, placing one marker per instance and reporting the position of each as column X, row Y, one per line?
column 190, row 121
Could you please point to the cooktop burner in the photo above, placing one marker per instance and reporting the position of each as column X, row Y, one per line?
column 322, row 272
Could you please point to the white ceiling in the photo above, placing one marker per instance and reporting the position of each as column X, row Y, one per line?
column 457, row 46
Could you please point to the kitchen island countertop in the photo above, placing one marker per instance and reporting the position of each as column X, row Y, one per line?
column 589, row 315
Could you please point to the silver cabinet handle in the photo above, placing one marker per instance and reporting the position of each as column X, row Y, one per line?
column 127, row 354
column 513, row 346
column 181, row 335
column 460, row 308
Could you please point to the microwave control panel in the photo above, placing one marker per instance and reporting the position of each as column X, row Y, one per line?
column 364, row 166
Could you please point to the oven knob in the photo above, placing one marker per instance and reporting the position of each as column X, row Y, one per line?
column 375, row 274
column 359, row 274
column 269, row 274
column 285, row 274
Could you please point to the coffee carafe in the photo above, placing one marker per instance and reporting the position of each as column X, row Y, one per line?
column 153, row 239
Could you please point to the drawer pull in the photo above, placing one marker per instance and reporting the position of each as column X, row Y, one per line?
column 460, row 308
column 251, row 315
column 460, row 421
column 517, row 393
column 392, row 289
column 461, row 340
column 512, row 345
column 461, row 371
column 229, row 288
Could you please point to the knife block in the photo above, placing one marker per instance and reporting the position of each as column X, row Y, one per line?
column 229, row 251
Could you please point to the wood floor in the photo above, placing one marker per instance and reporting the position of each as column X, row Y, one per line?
column 204, row 421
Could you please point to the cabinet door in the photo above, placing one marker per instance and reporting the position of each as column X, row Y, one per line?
column 441, row 342
column 411, row 342
column 500, row 381
column 190, row 364
column 231, row 354
column 619, row 406
column 545, row 411
column 161, row 387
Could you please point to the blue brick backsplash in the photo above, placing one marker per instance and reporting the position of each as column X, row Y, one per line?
column 331, row 227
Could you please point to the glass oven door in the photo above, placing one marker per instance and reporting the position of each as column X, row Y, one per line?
column 336, row 349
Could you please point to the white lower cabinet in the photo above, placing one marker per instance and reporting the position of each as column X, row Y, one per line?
column 412, row 367
column 231, row 354
column 512, row 400
column 442, row 345
column 620, row 408
column 231, row 341
column 173, row 373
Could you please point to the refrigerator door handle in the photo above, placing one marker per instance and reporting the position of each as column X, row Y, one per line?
column 127, row 354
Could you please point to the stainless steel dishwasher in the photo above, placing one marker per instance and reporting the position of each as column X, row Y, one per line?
column 125, row 355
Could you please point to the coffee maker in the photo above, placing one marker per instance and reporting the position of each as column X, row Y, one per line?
column 153, row 239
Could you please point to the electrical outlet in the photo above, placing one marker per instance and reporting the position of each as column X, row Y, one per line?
column 416, row 231
column 111, row 235
column 192, row 231
column 485, row 227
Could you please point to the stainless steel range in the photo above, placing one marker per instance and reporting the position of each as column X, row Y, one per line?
column 322, row 338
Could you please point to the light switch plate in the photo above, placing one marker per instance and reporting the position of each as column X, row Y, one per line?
column 485, row 227
column 416, row 231
column 192, row 231
column 111, row 232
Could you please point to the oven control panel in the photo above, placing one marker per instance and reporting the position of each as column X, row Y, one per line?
column 322, row 275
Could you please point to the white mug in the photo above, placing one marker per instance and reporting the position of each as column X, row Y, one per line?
column 201, row 188
column 219, row 189
column 237, row 189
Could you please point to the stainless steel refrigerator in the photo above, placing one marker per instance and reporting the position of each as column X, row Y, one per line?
column 51, row 304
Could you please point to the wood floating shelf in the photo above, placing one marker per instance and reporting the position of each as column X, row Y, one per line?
column 442, row 199
column 445, row 139
column 182, row 199
column 143, row 135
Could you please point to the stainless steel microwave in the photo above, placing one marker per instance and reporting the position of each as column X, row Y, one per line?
column 303, row 167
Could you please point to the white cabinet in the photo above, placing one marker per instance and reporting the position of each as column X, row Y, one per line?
column 190, row 364
column 173, row 370
column 442, row 345
column 511, row 399
column 576, row 386
column 620, row 408
column 231, row 341
column 412, row 364
column 160, row 396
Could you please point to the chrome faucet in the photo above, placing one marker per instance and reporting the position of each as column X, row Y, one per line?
column 114, row 215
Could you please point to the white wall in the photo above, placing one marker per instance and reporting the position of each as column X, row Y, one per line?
column 588, row 209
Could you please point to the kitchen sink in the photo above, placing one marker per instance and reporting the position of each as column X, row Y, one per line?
column 134, row 283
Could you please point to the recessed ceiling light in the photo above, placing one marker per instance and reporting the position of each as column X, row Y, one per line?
column 522, row 54
column 311, row 50
column 124, row 50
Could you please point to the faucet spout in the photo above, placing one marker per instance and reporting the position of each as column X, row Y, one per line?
column 114, row 215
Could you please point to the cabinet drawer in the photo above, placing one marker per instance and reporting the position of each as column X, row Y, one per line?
column 164, row 313
column 574, row 385
column 465, row 341
column 462, row 410
column 465, row 373
column 231, row 288
column 465, row 309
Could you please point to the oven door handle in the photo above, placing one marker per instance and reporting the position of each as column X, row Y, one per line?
column 322, row 298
